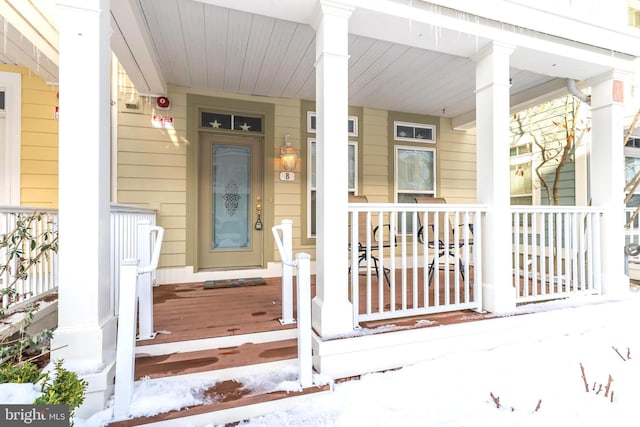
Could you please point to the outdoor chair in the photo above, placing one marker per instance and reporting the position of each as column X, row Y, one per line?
column 376, row 232
column 440, row 236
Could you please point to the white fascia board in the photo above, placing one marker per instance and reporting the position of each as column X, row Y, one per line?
column 131, row 43
column 618, row 38
column 33, row 26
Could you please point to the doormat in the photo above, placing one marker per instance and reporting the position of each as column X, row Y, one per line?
column 234, row 283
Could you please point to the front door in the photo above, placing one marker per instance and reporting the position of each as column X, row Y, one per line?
column 230, row 201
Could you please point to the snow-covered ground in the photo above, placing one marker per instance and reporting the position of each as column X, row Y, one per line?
column 537, row 383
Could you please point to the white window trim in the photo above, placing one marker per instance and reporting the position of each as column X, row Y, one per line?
column 311, row 129
column 526, row 158
column 10, row 189
column 310, row 187
column 395, row 168
column 420, row 125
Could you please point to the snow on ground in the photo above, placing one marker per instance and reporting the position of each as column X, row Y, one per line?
column 537, row 383
column 455, row 390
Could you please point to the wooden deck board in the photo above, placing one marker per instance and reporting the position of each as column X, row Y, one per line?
column 214, row 359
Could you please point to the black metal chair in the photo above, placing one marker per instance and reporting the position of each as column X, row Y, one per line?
column 365, row 253
column 440, row 235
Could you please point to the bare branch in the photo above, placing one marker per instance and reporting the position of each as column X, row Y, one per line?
column 608, row 387
column 584, row 378
column 496, row 399
column 621, row 356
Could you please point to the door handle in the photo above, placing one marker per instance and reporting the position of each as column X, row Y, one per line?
column 258, row 225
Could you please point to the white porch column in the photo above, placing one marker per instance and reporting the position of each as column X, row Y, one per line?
column 86, row 332
column 607, row 176
column 331, row 309
column 492, row 153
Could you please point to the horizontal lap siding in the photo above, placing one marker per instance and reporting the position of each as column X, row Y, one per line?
column 152, row 171
column 288, row 195
column 456, row 158
column 374, row 152
column 38, row 140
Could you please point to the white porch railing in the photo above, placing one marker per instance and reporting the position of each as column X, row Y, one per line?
column 556, row 251
column 135, row 312
column 42, row 277
column 402, row 284
column 283, row 235
column 124, row 241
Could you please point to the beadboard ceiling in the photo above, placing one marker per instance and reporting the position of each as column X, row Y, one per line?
column 267, row 48
column 205, row 46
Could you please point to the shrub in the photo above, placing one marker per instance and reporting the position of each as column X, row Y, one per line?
column 65, row 388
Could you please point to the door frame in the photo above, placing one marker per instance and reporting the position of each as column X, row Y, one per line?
column 196, row 104
column 224, row 258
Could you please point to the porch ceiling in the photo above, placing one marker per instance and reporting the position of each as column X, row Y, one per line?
column 202, row 45
column 267, row 48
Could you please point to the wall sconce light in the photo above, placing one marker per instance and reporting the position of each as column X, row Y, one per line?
column 288, row 160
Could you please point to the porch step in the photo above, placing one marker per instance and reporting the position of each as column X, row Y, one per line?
column 223, row 361
column 230, row 403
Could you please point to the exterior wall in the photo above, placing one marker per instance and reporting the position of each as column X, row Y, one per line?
column 376, row 177
column 39, row 140
column 153, row 172
column 456, row 164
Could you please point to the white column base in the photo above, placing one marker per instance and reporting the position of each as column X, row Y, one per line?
column 91, row 344
column 498, row 299
column 99, row 390
column 615, row 285
column 331, row 320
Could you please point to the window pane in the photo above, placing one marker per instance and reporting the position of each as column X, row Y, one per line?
column 312, row 149
column 216, row 121
column 631, row 167
column 404, row 131
column 247, row 124
column 520, row 177
column 424, row 133
column 415, row 170
column 352, row 167
column 313, row 213
column 1, row 100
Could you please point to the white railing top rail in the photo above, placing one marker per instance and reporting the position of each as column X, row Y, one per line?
column 558, row 209
column 415, row 207
column 119, row 207
column 26, row 209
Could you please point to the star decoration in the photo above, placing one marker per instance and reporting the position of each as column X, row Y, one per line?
column 215, row 124
column 245, row 127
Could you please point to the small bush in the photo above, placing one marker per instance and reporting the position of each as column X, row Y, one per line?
column 65, row 388
column 26, row 372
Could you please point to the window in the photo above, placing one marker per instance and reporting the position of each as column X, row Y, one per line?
column 632, row 164
column 415, row 170
column 415, row 175
column 414, row 132
column 521, row 171
column 223, row 121
column 353, row 180
column 352, row 124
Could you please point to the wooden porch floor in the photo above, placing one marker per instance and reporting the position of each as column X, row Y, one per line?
column 189, row 311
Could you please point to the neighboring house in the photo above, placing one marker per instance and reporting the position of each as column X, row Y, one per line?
column 547, row 125
column 392, row 100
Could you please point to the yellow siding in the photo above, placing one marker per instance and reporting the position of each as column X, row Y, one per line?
column 152, row 166
column 456, row 158
column 38, row 140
